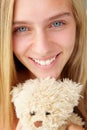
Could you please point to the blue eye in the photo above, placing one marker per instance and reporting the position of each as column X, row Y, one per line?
column 57, row 24
column 22, row 29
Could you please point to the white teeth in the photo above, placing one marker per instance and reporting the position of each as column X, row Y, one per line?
column 44, row 62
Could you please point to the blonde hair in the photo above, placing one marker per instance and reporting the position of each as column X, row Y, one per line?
column 7, row 73
column 74, row 69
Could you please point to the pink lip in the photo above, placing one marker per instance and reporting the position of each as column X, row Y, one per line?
column 45, row 67
column 46, row 58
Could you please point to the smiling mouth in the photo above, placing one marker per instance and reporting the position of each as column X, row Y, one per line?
column 45, row 62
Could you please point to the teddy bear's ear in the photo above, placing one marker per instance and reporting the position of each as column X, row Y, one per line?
column 15, row 94
column 73, row 90
column 73, row 85
column 15, row 91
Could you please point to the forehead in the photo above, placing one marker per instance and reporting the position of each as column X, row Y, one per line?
column 30, row 9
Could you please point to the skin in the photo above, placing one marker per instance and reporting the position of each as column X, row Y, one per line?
column 44, row 31
column 70, row 127
column 74, row 127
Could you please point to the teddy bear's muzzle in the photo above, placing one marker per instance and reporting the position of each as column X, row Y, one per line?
column 38, row 123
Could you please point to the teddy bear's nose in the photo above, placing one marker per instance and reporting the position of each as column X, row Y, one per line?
column 38, row 123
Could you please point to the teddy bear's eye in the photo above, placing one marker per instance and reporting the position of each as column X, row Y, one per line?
column 48, row 113
column 32, row 113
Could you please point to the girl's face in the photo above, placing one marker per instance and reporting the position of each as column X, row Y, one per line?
column 43, row 35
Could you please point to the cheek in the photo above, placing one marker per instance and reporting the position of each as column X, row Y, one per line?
column 65, row 39
column 19, row 45
column 68, row 41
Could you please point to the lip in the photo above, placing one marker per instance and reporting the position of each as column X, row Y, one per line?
column 45, row 58
column 44, row 62
column 46, row 67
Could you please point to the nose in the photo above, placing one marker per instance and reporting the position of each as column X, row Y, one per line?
column 38, row 124
column 41, row 43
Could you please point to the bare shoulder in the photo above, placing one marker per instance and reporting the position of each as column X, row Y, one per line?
column 18, row 126
column 75, row 127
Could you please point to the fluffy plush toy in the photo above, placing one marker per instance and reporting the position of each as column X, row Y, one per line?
column 46, row 104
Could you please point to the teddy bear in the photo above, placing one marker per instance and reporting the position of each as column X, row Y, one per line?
column 46, row 104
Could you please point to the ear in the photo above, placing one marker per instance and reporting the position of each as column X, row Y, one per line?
column 73, row 90
column 16, row 91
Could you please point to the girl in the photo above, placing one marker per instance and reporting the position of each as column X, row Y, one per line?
column 41, row 38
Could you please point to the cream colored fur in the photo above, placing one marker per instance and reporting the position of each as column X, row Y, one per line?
column 46, row 104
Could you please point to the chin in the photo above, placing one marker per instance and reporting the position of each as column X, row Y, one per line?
column 48, row 75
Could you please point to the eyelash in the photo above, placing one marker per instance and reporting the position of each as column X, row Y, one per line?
column 56, row 24
column 23, row 29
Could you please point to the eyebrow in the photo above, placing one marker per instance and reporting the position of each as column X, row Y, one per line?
column 60, row 15
column 64, row 14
